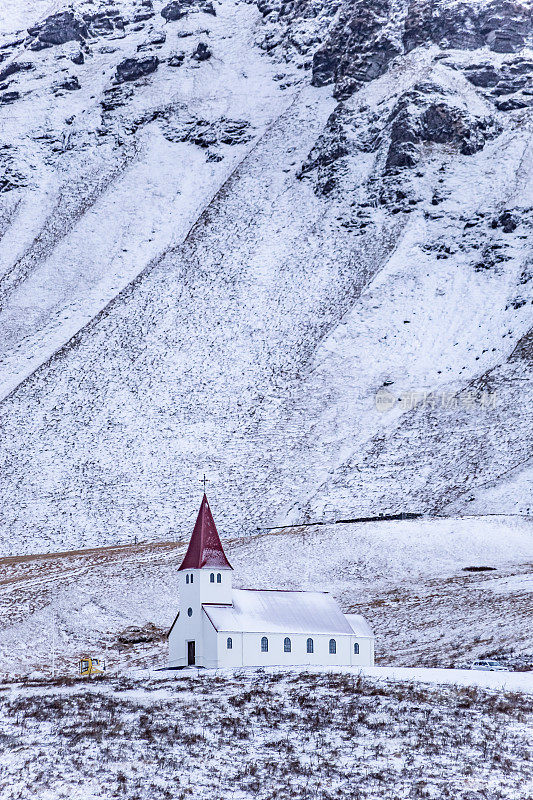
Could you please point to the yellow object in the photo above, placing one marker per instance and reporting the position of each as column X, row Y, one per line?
column 91, row 666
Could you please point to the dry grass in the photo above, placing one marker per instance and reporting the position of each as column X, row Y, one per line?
column 262, row 735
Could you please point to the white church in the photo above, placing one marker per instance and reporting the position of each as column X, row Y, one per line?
column 219, row 626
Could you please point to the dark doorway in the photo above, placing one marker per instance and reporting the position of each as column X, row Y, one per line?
column 191, row 655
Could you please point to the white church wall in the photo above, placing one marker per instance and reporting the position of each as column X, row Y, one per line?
column 199, row 588
column 196, row 628
column 208, row 652
column 196, row 588
column 212, row 650
column 230, row 657
column 365, row 657
column 276, row 655
column 188, row 627
column 176, row 646
column 211, row 590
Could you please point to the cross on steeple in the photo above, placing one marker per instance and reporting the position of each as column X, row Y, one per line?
column 204, row 481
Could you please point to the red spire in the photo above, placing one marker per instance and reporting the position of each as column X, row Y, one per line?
column 205, row 547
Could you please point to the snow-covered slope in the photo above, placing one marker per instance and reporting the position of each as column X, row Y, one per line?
column 321, row 301
column 407, row 578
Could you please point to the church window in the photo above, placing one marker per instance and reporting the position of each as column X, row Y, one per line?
column 189, row 612
column 264, row 645
column 219, row 577
column 286, row 645
column 192, row 578
column 186, row 579
column 310, row 648
column 332, row 646
column 229, row 643
column 356, row 648
column 212, row 577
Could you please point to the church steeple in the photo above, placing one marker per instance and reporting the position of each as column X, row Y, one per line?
column 205, row 548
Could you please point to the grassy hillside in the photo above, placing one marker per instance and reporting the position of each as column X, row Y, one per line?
column 407, row 578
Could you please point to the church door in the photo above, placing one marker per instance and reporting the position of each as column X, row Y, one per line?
column 191, row 655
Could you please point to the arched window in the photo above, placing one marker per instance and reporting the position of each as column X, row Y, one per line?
column 186, row 579
column 264, row 645
column 310, row 646
column 192, row 578
column 189, row 612
column 356, row 648
column 286, row 645
column 229, row 643
column 212, row 577
column 219, row 577
column 332, row 646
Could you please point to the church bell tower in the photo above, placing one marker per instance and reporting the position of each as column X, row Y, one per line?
column 205, row 572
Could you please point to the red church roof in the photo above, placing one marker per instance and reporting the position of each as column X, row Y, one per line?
column 205, row 548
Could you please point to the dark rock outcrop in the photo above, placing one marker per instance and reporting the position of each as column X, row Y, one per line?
column 356, row 49
column 134, row 635
column 179, row 8
column 14, row 68
column 366, row 35
column 176, row 60
column 324, row 67
column 512, row 104
column 9, row 97
column 205, row 134
column 115, row 97
column 507, row 79
column 507, row 221
column 146, row 12
column 402, row 154
column 418, row 120
column 58, row 29
column 10, row 177
column 202, row 52
column 174, row 11
column 11, row 180
column 105, row 22
column 70, row 84
column 331, row 146
column 156, row 40
column 8, row 47
column 132, row 68
column 485, row 76
column 502, row 25
column 521, row 66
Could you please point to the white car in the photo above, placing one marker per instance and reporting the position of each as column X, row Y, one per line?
column 491, row 666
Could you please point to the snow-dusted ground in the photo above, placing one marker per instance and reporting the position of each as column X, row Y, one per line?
column 407, row 578
column 507, row 681
column 259, row 734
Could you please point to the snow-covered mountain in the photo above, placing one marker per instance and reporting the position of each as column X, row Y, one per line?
column 284, row 244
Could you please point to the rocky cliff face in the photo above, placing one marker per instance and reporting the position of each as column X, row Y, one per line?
column 286, row 244
column 357, row 40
